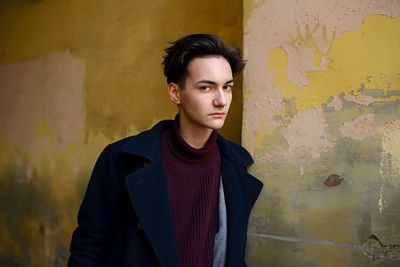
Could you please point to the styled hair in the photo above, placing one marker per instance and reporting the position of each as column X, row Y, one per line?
column 183, row 50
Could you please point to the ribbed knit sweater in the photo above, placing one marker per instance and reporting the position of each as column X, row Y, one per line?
column 193, row 182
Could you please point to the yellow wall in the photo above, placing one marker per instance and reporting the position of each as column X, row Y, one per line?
column 75, row 76
column 322, row 97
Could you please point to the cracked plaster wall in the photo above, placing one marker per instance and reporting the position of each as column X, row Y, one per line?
column 322, row 97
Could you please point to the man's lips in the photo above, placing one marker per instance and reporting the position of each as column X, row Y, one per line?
column 218, row 114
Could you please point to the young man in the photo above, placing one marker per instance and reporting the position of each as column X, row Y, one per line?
column 178, row 194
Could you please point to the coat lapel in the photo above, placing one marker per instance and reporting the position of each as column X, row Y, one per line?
column 241, row 191
column 148, row 192
column 235, row 215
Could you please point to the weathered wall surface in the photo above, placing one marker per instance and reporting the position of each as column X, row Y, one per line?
column 75, row 76
column 322, row 98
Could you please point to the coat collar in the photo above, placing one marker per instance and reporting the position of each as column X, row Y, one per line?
column 147, row 143
column 139, row 145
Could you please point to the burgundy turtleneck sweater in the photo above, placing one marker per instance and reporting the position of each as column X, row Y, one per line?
column 193, row 183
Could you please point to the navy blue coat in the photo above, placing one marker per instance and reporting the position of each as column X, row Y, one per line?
column 125, row 218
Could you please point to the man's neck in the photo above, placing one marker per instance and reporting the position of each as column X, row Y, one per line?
column 196, row 137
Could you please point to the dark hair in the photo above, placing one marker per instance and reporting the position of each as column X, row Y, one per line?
column 198, row 45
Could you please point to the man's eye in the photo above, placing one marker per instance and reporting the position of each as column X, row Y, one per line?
column 204, row 88
column 228, row 87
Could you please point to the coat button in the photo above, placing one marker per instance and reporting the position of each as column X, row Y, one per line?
column 139, row 226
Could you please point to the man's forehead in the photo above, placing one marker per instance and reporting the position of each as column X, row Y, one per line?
column 209, row 68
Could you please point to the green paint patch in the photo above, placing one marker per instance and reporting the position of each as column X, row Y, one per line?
column 289, row 107
column 296, row 203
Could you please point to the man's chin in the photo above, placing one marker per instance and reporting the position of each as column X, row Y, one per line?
column 217, row 126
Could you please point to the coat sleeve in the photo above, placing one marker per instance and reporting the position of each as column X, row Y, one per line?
column 96, row 218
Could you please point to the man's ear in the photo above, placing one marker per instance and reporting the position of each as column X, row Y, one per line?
column 174, row 93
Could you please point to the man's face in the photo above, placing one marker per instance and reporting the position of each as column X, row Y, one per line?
column 207, row 93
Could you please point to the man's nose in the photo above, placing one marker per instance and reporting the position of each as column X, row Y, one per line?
column 220, row 98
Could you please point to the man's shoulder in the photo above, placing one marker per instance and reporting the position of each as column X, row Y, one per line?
column 142, row 141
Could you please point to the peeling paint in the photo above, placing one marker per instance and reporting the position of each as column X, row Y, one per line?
column 360, row 99
column 390, row 162
column 343, row 74
column 336, row 67
column 304, row 30
column 333, row 180
column 306, row 135
column 381, row 202
column 362, row 127
column 374, row 250
column 336, row 103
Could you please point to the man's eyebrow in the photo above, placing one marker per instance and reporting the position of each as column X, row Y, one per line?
column 206, row 81
column 212, row 82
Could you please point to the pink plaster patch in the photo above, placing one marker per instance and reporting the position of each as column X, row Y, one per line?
column 306, row 135
column 361, row 128
column 48, row 89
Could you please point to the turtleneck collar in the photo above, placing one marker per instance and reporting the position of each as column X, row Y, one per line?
column 184, row 151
